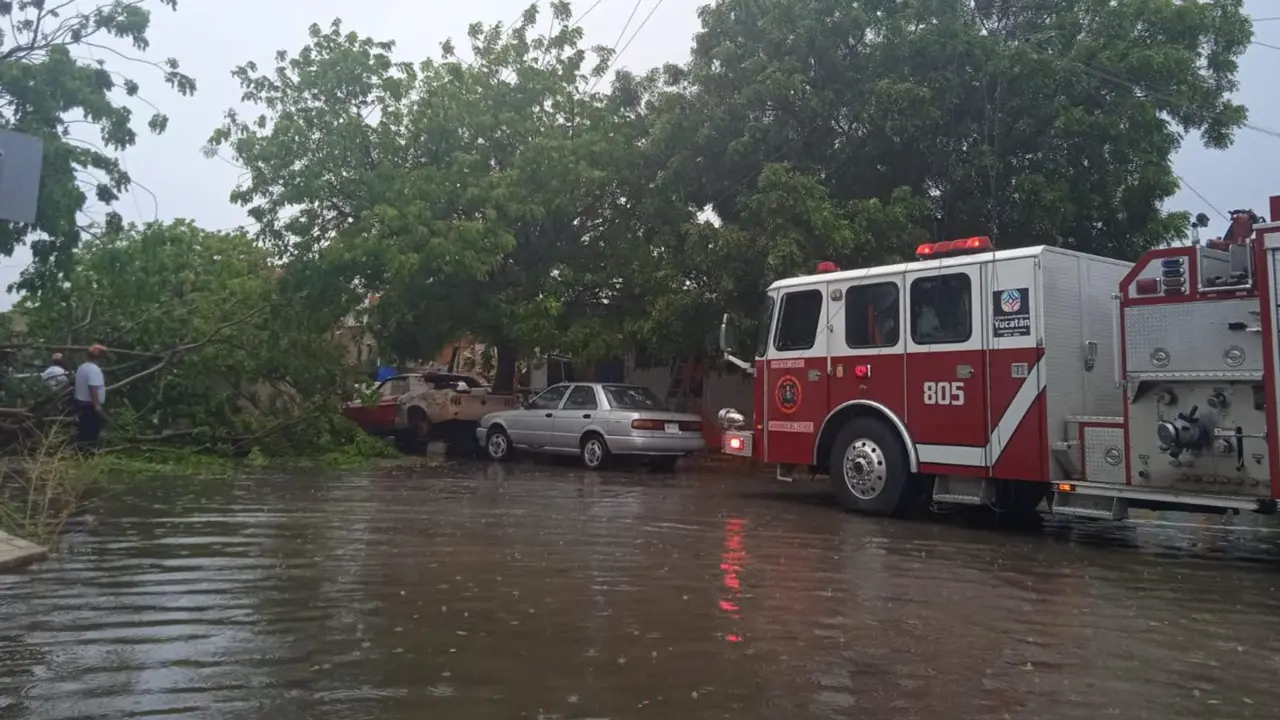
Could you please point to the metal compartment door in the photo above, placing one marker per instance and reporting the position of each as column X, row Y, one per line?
column 946, row 368
column 1015, row 370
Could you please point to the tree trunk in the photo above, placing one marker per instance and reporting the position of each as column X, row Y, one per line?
column 504, row 380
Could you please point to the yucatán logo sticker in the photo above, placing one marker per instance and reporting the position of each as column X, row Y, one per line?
column 787, row 394
column 1012, row 313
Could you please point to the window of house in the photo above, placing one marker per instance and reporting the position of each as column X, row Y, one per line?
column 798, row 320
column 550, row 398
column 941, row 309
column 582, row 397
column 871, row 315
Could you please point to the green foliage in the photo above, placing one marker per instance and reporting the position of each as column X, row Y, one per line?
column 503, row 195
column 212, row 351
column 54, row 76
column 1035, row 121
column 497, row 195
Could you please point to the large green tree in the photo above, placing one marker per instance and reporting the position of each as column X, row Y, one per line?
column 497, row 194
column 65, row 66
column 1034, row 121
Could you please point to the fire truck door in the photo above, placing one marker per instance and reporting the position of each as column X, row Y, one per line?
column 795, row 380
column 946, row 368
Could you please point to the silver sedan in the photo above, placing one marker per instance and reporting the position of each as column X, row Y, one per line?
column 594, row 421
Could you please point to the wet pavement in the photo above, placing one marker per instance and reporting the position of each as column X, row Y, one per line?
column 476, row 591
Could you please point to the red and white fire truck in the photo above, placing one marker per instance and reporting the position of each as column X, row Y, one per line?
column 1004, row 378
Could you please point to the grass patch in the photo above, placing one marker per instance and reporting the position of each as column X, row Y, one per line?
column 40, row 489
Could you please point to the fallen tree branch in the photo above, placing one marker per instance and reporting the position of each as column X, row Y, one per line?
column 75, row 348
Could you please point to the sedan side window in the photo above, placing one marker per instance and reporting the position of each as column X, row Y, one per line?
column 550, row 398
column 582, row 397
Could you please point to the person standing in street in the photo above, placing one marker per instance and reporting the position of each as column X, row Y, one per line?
column 90, row 393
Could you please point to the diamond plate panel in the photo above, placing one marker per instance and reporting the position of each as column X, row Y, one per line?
column 1096, row 443
column 1195, row 334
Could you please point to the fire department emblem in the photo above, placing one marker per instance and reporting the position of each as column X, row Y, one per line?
column 787, row 394
column 1011, row 301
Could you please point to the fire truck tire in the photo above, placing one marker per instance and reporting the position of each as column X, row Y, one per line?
column 869, row 469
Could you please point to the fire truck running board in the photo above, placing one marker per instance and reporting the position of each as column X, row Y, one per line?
column 963, row 490
column 1097, row 507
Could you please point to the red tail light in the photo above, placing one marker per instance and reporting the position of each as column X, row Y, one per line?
column 660, row 425
column 1147, row 286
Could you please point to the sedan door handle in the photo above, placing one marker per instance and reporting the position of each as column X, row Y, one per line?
column 548, row 414
column 587, row 416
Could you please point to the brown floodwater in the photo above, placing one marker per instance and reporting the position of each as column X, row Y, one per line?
column 474, row 591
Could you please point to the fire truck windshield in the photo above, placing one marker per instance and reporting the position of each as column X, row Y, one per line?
column 763, row 326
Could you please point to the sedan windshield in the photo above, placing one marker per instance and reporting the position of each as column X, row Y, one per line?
column 633, row 397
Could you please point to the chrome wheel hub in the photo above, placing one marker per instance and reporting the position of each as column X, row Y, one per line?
column 497, row 445
column 864, row 469
column 592, row 453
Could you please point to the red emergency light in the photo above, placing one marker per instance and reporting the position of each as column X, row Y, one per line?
column 954, row 247
column 827, row 266
column 735, row 442
column 862, row 371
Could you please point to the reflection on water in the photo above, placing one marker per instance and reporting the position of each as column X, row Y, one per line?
column 488, row 592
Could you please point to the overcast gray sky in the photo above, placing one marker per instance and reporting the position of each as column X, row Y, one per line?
column 210, row 37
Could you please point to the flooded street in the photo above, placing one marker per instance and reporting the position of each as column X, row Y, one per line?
column 477, row 591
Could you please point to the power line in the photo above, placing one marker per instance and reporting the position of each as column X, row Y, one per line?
column 1200, row 195
column 583, row 16
column 634, row 9
column 1105, row 75
column 618, row 54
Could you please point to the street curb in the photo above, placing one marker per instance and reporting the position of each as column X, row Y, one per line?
column 16, row 552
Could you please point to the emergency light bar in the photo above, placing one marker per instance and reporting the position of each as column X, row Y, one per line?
column 954, row 247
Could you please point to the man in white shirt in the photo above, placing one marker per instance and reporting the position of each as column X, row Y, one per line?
column 90, row 393
column 57, row 373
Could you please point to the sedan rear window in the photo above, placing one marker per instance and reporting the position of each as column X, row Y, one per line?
column 395, row 387
column 633, row 397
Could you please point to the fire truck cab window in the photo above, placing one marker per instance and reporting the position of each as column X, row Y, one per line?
column 798, row 320
column 871, row 316
column 940, row 309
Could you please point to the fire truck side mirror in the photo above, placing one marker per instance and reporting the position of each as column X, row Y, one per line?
column 728, row 334
column 727, row 340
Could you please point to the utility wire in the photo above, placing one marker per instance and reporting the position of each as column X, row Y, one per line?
column 1107, row 75
column 1200, row 195
column 583, row 16
column 634, row 9
column 623, row 49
